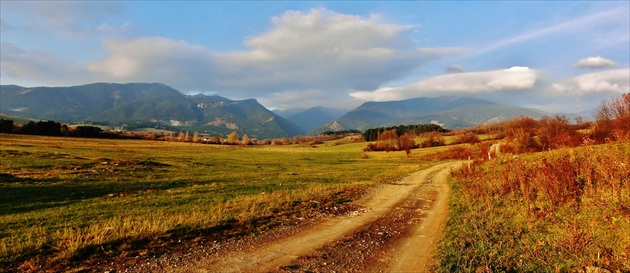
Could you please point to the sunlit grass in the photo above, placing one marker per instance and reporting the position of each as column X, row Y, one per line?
column 555, row 211
column 61, row 196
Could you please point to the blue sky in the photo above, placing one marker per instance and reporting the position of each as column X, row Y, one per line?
column 560, row 56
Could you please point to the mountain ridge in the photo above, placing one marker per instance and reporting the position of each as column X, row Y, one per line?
column 451, row 112
column 154, row 103
column 314, row 117
column 158, row 105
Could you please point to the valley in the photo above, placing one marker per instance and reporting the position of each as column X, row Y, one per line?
column 332, row 204
column 314, row 136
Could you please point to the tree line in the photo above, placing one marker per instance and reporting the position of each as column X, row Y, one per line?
column 341, row 132
column 48, row 128
column 52, row 128
column 373, row 134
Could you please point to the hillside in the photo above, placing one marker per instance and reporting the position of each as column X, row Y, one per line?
column 150, row 104
column 154, row 105
column 450, row 111
column 313, row 118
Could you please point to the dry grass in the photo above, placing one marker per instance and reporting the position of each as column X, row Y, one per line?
column 560, row 211
column 64, row 199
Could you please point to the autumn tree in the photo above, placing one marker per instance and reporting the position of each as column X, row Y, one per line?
column 232, row 138
column 613, row 119
column 467, row 137
column 406, row 143
column 521, row 132
column 433, row 140
column 245, row 140
column 215, row 140
column 556, row 132
column 387, row 141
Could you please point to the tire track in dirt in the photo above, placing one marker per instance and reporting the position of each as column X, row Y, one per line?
column 414, row 253
column 278, row 254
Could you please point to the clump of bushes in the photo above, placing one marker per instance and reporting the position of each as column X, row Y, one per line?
column 433, row 140
column 557, row 211
column 390, row 141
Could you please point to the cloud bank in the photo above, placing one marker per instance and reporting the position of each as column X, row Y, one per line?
column 609, row 82
column 39, row 66
column 318, row 50
column 514, row 78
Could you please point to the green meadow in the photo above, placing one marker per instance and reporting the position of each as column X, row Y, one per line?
column 64, row 198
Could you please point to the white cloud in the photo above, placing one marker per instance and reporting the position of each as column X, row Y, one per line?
column 326, row 50
column 595, row 62
column 514, row 78
column 613, row 82
column 381, row 94
column 38, row 67
column 154, row 60
column 319, row 50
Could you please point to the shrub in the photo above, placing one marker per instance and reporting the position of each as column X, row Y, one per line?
column 557, row 211
column 467, row 137
column 434, row 140
column 613, row 120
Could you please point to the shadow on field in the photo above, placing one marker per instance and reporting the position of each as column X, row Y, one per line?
column 21, row 195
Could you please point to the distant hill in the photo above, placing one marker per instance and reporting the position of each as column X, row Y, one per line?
column 21, row 120
column 330, row 126
column 449, row 111
column 313, row 118
column 287, row 113
column 152, row 104
column 158, row 106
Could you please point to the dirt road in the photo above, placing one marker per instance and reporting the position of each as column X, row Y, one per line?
column 395, row 231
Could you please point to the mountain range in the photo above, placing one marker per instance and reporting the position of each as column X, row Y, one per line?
column 312, row 118
column 155, row 105
column 145, row 104
column 448, row 111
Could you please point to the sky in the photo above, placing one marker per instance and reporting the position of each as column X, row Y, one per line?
column 556, row 56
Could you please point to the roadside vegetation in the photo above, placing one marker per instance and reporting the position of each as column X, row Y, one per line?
column 557, row 199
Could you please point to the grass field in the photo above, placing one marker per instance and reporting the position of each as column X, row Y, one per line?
column 64, row 198
column 557, row 211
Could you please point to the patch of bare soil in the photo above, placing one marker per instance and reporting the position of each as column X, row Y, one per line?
column 400, row 241
column 392, row 228
column 184, row 247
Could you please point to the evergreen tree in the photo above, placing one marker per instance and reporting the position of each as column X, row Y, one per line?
column 6, row 126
